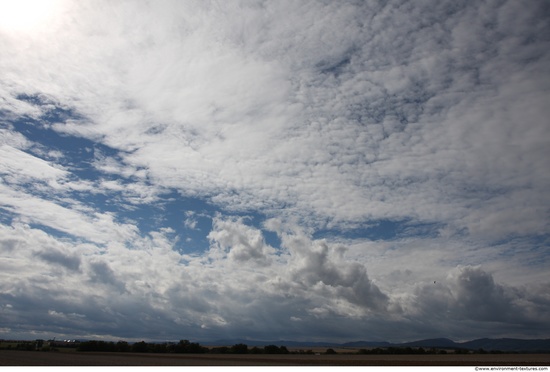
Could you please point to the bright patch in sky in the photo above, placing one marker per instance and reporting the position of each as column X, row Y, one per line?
column 26, row 15
column 280, row 170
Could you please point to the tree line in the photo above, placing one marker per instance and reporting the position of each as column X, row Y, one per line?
column 182, row 347
column 187, row 347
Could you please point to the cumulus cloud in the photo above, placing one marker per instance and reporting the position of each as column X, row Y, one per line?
column 471, row 295
column 218, row 293
column 244, row 244
column 313, row 264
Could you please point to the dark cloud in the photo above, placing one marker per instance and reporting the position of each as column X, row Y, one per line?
column 70, row 261
column 101, row 272
column 471, row 295
column 479, row 298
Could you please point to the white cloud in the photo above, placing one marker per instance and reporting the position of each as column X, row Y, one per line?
column 408, row 124
column 90, row 225
column 218, row 292
column 20, row 167
column 242, row 244
column 319, row 116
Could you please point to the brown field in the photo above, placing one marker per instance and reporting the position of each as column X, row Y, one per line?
column 37, row 358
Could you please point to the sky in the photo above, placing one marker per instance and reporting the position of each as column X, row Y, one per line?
column 274, row 170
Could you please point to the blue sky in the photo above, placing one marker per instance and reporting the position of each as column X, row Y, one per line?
column 274, row 170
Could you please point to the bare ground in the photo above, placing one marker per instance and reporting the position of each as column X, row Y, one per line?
column 37, row 358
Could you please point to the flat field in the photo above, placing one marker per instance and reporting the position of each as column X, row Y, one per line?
column 37, row 358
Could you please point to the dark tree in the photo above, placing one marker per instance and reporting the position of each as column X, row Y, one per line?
column 255, row 350
column 219, row 350
column 122, row 346
column 273, row 349
column 239, row 349
column 140, row 347
column 186, row 347
column 284, row 350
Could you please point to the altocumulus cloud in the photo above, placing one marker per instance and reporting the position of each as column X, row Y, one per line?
column 294, row 170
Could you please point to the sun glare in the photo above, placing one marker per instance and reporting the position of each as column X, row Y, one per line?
column 25, row 15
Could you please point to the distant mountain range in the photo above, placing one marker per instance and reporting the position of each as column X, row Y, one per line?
column 487, row 344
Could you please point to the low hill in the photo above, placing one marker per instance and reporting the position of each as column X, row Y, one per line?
column 508, row 345
column 487, row 344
